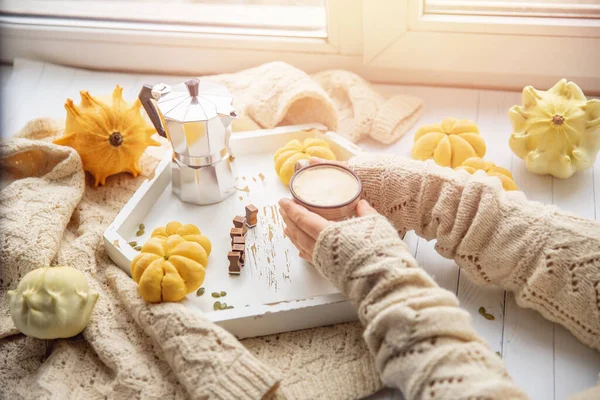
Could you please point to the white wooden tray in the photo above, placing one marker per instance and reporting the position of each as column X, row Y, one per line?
column 277, row 291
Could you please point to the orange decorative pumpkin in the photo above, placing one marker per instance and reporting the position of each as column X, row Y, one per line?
column 110, row 138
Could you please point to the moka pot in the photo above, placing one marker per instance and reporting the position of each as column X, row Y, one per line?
column 196, row 117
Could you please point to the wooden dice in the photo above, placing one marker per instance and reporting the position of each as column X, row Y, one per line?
column 239, row 221
column 238, row 240
column 235, row 266
column 237, row 255
column 239, row 248
column 238, row 245
column 251, row 215
column 236, row 232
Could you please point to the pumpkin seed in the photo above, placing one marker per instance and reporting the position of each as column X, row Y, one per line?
column 223, row 293
column 223, row 306
column 200, row 292
column 216, row 295
column 142, row 227
column 139, row 233
column 217, row 305
column 489, row 316
column 482, row 310
column 133, row 243
column 138, row 248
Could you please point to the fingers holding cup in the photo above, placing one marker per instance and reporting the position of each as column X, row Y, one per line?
column 308, row 222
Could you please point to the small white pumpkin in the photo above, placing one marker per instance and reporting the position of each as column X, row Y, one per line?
column 52, row 303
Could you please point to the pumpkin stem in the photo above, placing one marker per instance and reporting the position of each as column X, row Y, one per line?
column 116, row 139
column 558, row 119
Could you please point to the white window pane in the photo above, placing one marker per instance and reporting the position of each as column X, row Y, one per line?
column 291, row 18
column 310, row 3
column 516, row 8
column 529, row 1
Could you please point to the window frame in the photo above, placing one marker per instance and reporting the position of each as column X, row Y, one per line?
column 564, row 9
column 369, row 37
column 476, row 49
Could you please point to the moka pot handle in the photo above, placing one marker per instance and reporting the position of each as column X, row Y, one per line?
column 147, row 99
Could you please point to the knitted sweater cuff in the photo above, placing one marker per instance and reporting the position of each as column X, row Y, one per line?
column 342, row 246
column 246, row 378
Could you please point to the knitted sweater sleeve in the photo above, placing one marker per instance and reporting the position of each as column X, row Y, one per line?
column 423, row 342
column 548, row 258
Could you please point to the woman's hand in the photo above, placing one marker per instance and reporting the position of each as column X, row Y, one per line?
column 304, row 227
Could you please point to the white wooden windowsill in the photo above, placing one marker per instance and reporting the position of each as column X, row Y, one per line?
column 542, row 358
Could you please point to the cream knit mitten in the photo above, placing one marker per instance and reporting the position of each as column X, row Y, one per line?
column 364, row 112
column 278, row 94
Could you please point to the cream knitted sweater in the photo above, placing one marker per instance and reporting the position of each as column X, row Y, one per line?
column 423, row 342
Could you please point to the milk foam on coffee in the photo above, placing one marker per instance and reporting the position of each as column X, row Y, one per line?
column 325, row 186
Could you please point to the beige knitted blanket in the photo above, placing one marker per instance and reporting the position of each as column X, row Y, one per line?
column 130, row 349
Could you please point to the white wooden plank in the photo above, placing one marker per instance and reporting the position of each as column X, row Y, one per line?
column 56, row 84
column 47, row 98
column 576, row 194
column 5, row 73
column 528, row 350
column 528, row 343
column 443, row 270
column 412, row 241
column 18, row 90
column 103, row 84
column 472, row 297
column 576, row 366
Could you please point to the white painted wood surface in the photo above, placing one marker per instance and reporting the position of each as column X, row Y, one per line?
column 543, row 358
column 277, row 291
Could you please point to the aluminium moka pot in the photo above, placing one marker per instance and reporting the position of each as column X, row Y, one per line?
column 196, row 117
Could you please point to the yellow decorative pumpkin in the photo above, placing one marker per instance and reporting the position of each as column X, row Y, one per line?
column 449, row 143
column 110, row 138
column 473, row 164
column 171, row 263
column 288, row 155
column 557, row 131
